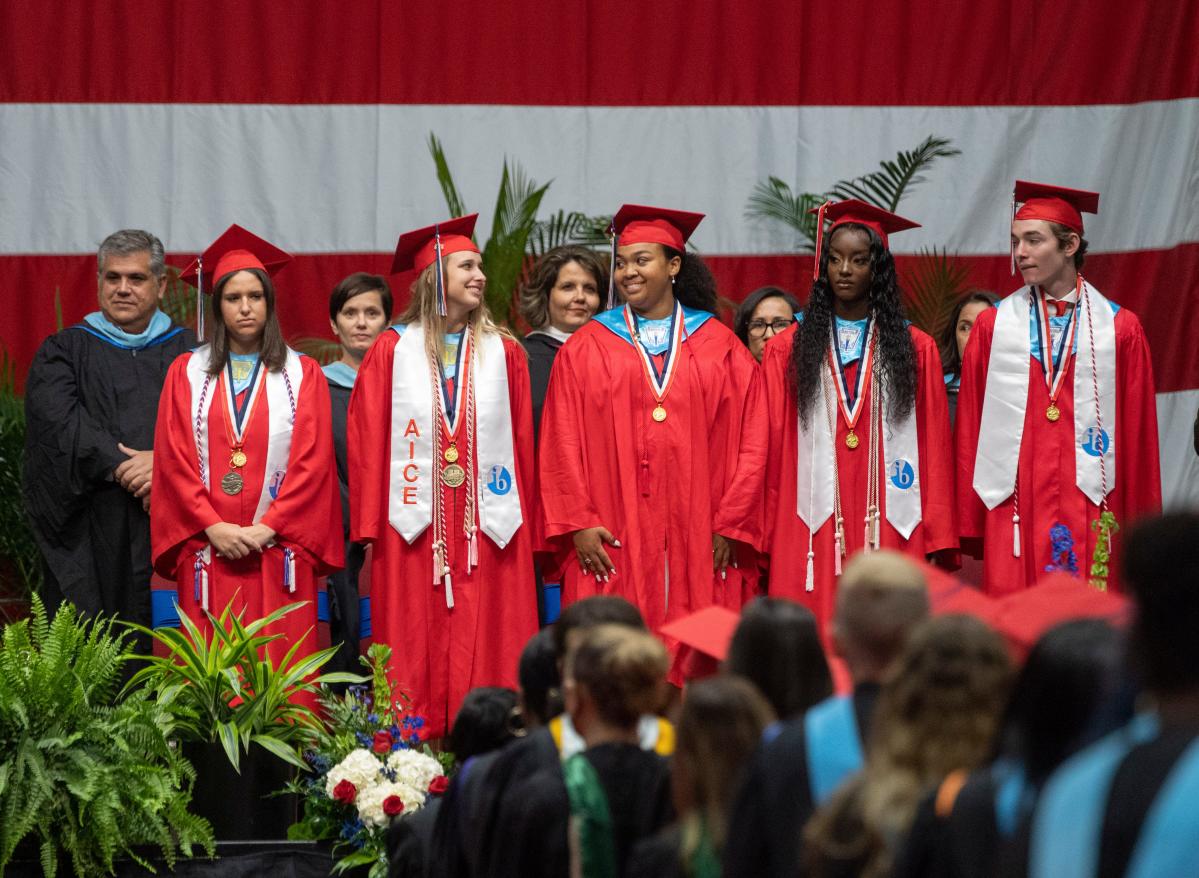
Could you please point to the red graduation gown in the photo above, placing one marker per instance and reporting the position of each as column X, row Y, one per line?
column 306, row 514
column 937, row 529
column 662, row 489
column 1046, row 472
column 439, row 654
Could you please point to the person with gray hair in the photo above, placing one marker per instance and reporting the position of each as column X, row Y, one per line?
column 91, row 400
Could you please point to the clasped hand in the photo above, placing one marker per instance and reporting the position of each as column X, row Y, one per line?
column 234, row 541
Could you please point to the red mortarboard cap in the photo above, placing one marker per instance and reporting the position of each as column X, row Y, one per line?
column 883, row 222
column 709, row 630
column 417, row 250
column 638, row 224
column 1025, row 615
column 1055, row 204
column 235, row 250
column 949, row 595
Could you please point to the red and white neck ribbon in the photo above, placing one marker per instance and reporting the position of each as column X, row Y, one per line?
column 238, row 430
column 659, row 384
column 852, row 410
column 462, row 379
column 1056, row 362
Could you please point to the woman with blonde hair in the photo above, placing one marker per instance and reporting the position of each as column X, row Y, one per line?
column 937, row 714
column 440, row 445
column 584, row 816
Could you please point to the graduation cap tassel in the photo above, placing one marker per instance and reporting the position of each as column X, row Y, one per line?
column 1011, row 220
column 200, row 298
column 612, row 268
column 819, row 238
column 441, row 308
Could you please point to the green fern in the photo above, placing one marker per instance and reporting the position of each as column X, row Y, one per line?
column 86, row 775
column 932, row 284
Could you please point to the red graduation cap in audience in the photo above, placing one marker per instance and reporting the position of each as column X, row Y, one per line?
column 1059, row 597
column 948, row 594
column 705, row 636
column 852, row 210
column 1055, row 204
column 418, row 249
column 235, row 250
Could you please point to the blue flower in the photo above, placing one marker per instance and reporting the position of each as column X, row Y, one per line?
column 351, row 828
column 395, row 731
column 363, row 739
column 372, row 717
column 414, row 740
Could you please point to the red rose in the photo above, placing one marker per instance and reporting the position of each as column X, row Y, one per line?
column 393, row 806
column 382, row 742
column 345, row 792
column 438, row 785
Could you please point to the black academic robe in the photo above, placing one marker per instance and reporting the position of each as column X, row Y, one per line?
column 345, row 624
column 541, row 349
column 84, row 393
column 410, row 841
column 775, row 800
column 659, row 856
column 532, row 831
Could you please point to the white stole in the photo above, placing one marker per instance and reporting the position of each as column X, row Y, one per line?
column 1005, row 398
column 414, row 472
column 814, row 471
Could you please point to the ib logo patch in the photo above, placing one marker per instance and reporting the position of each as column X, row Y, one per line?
column 276, row 484
column 499, row 480
column 1095, row 441
column 901, row 474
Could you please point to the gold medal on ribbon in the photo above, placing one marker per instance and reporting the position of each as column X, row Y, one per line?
column 659, row 414
column 231, row 483
column 851, row 440
column 453, row 476
column 237, row 458
column 1053, row 413
column 451, row 454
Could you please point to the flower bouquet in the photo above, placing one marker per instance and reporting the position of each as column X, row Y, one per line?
column 369, row 764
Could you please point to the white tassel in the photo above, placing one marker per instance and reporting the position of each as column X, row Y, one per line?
column 1015, row 535
column 204, row 589
column 449, row 590
column 839, row 549
column 472, row 550
column 437, row 563
column 875, row 531
column 810, row 582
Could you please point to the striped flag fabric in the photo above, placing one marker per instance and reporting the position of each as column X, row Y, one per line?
column 307, row 122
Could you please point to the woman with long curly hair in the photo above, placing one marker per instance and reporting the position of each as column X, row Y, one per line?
column 653, row 439
column 860, row 446
column 441, row 450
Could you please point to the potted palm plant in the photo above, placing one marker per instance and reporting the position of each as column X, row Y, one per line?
column 240, row 716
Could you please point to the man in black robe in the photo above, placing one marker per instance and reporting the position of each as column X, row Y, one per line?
column 91, row 401
column 881, row 599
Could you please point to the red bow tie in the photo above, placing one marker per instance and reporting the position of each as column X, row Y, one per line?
column 1059, row 307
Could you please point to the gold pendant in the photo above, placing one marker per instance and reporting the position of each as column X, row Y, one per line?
column 851, row 440
column 231, row 483
column 1053, row 413
column 451, row 454
column 659, row 414
column 453, row 476
column 237, row 458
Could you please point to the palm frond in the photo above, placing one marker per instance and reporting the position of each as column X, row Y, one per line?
column 453, row 201
column 573, row 227
column 886, row 188
column 773, row 199
column 322, row 350
column 504, row 257
column 932, row 284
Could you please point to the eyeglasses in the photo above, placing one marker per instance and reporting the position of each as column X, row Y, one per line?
column 757, row 328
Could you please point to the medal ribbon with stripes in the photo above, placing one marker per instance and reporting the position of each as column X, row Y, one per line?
column 1054, row 362
column 851, row 405
column 450, row 425
column 659, row 381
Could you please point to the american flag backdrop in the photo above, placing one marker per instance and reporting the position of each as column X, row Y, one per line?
column 306, row 121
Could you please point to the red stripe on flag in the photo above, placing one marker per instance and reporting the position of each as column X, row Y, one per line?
column 676, row 52
column 1153, row 283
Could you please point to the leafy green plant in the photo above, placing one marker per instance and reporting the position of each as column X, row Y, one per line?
column 87, row 775
column 323, row 350
column 774, row 200
column 932, row 284
column 20, row 561
column 225, row 687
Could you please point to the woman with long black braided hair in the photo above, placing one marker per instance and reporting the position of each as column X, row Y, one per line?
column 860, row 446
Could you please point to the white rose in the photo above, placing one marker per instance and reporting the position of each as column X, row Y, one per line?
column 414, row 769
column 361, row 768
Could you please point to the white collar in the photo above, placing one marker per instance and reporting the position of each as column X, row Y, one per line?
column 552, row 331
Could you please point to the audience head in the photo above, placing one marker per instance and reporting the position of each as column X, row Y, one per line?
column 763, row 314
column 359, row 309
column 131, row 278
column 1058, row 692
column 613, row 675
column 957, row 330
column 881, row 598
column 540, row 698
column 483, row 722
column 1161, row 567
column 720, row 726
column 777, row 648
column 592, row 611
column 566, row 287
